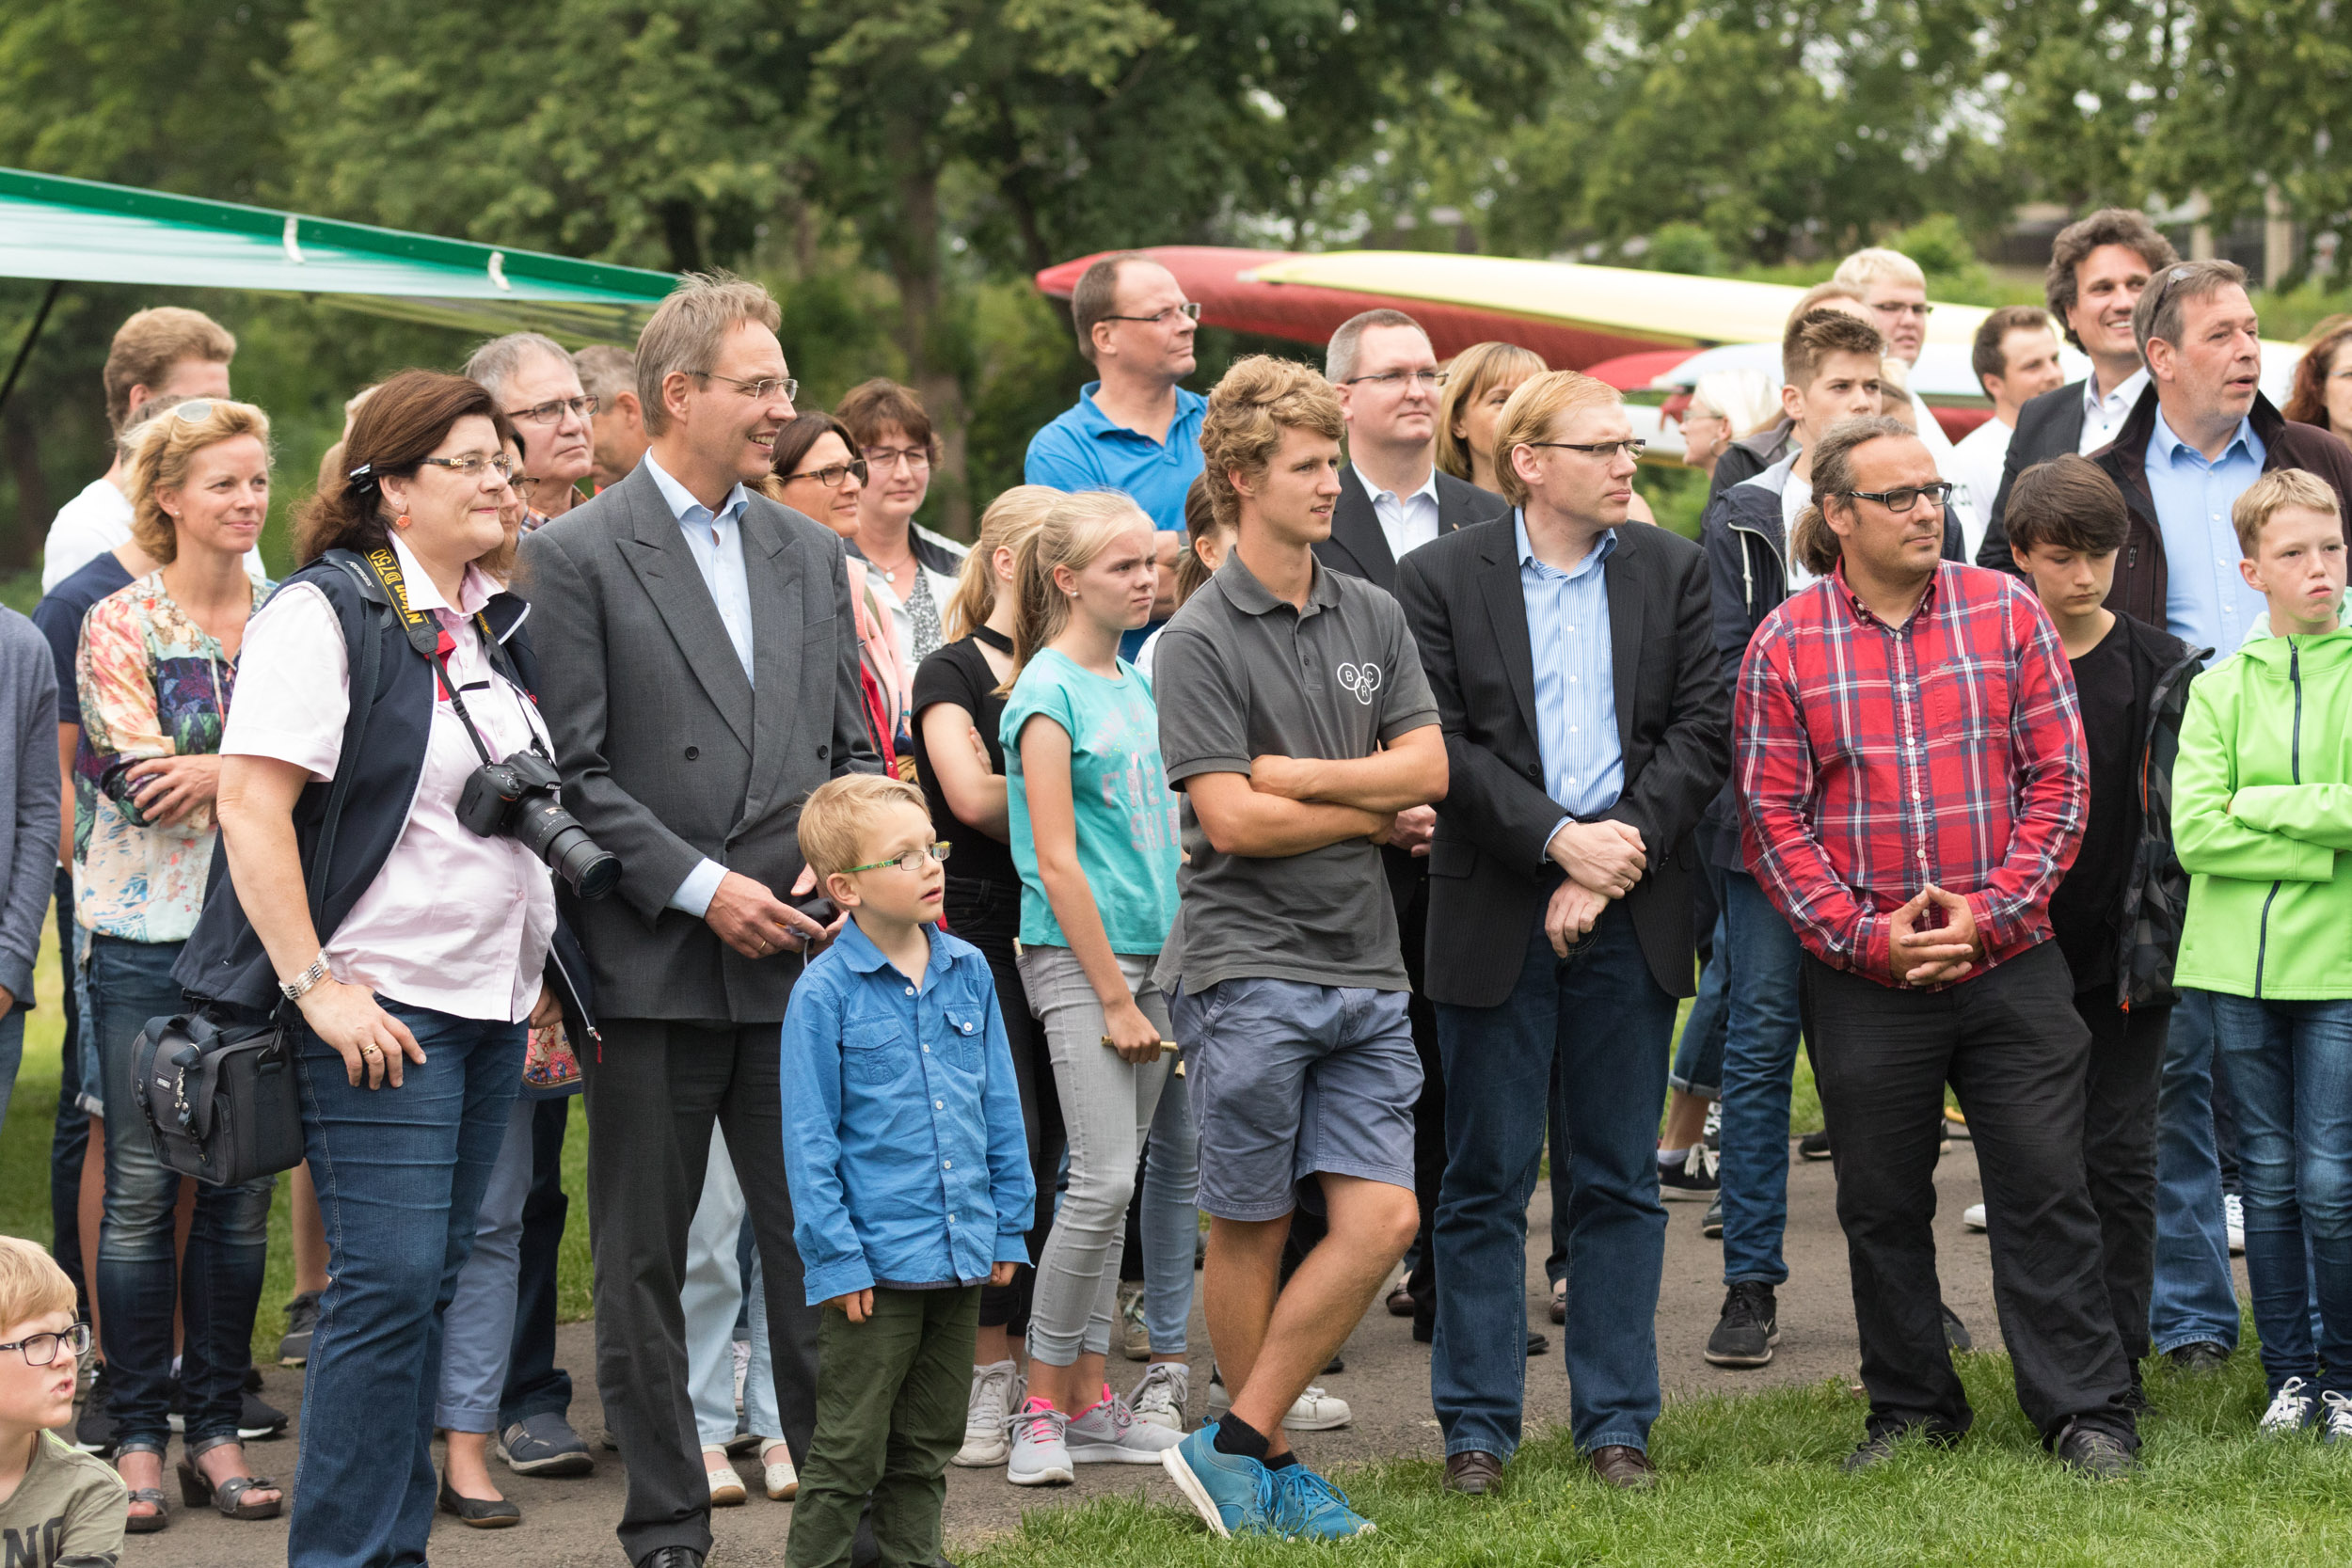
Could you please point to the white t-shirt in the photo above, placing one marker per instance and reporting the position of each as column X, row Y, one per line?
column 1794, row 497
column 1976, row 461
column 92, row 523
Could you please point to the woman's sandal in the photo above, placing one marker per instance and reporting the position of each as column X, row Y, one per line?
column 227, row 1497
column 145, row 1524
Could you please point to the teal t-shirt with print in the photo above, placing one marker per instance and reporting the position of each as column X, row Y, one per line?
column 1127, row 813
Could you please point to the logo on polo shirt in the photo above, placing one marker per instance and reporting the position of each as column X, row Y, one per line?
column 1362, row 680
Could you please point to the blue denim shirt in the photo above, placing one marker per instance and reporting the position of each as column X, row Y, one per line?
column 902, row 1137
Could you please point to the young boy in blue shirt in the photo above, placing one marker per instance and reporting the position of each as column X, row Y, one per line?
column 909, row 1172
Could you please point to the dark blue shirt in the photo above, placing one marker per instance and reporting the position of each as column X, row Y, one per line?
column 59, row 617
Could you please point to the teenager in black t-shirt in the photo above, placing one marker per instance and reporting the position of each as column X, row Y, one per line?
column 2116, row 916
column 959, row 763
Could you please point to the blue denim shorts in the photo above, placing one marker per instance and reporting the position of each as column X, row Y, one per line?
column 1288, row 1079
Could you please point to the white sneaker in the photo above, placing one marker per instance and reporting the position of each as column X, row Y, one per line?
column 778, row 1476
column 1040, row 1455
column 740, row 1353
column 1161, row 1397
column 1134, row 1334
column 2290, row 1410
column 996, row 1391
column 1312, row 1411
column 2336, row 1417
column 1108, row 1433
column 2233, row 1220
column 1973, row 1217
column 727, row 1487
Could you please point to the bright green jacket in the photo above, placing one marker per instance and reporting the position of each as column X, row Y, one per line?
column 2262, row 817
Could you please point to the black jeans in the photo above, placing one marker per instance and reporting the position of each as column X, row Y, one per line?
column 2120, row 1152
column 535, row 1386
column 655, row 1090
column 2014, row 1051
column 69, row 1138
column 989, row 918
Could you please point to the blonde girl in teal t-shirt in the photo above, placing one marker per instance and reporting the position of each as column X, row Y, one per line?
column 1094, row 839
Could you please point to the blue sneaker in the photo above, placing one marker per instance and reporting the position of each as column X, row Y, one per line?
column 1308, row 1508
column 1234, row 1495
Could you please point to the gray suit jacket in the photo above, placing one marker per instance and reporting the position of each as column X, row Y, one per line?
column 668, row 754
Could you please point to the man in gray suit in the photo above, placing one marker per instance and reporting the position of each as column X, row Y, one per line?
column 700, row 679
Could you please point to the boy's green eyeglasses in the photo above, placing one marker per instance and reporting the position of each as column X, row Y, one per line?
column 912, row 861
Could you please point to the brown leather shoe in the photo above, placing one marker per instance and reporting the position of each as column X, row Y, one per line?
column 1401, row 1299
column 1625, row 1467
column 1472, row 1472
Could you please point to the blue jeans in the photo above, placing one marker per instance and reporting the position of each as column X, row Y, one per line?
column 1607, row 1023
column 478, row 1330
column 2290, row 1066
column 2194, row 1298
column 401, row 1175
column 69, row 1135
column 1759, row 1060
column 217, row 1285
column 1171, row 1222
column 1699, row 1055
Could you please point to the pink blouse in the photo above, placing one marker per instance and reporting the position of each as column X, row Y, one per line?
column 453, row 921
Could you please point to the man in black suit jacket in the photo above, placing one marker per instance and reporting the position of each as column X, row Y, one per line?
column 1392, row 500
column 1587, row 724
column 2098, row 268
column 700, row 679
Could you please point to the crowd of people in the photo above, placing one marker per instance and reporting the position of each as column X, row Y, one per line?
column 1345, row 786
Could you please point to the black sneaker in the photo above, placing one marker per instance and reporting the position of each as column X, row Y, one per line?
column 1814, row 1146
column 1711, row 1223
column 2198, row 1357
column 302, row 1321
column 2100, row 1455
column 1955, row 1332
column 257, row 1419
column 1748, row 1329
column 94, row 1431
column 1695, row 1178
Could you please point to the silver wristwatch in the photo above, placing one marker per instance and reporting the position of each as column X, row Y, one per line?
column 302, row 984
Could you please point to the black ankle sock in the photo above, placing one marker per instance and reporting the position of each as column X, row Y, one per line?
column 1237, row 1436
column 1281, row 1462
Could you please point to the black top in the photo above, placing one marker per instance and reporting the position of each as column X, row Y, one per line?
column 59, row 617
column 959, row 674
column 2083, row 910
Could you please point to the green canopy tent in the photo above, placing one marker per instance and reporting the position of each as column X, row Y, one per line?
column 80, row 231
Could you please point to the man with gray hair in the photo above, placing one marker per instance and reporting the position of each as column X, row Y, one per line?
column 535, row 383
column 700, row 679
column 608, row 375
column 1894, row 291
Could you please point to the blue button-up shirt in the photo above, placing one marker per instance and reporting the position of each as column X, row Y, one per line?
column 2206, row 601
column 903, row 1141
column 1083, row 450
column 1576, row 689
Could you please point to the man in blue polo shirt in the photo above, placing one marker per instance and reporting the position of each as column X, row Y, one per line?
column 1135, row 430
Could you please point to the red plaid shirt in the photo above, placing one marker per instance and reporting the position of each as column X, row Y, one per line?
column 1876, row 759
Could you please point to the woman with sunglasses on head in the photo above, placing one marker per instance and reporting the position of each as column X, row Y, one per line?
column 410, row 964
column 911, row 570
column 156, row 667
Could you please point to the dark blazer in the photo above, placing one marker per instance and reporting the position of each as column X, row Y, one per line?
column 1357, row 546
column 668, row 754
column 2048, row 426
column 1488, row 879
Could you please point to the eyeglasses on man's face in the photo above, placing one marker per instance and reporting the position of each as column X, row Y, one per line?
column 912, row 861
column 553, row 410
column 1632, row 447
column 831, row 474
column 766, row 386
column 1189, row 310
column 1427, row 381
column 1904, row 497
column 465, row 464
column 1904, row 307
column 41, row 1349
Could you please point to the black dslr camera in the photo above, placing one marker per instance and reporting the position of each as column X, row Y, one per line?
column 516, row 799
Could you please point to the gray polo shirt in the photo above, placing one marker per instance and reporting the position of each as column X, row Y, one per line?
column 1240, row 674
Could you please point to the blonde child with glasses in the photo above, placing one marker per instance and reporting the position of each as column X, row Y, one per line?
column 59, row 1508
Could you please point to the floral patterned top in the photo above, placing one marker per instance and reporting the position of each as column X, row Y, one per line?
column 153, row 684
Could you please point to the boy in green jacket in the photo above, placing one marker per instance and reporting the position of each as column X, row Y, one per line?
column 2262, row 808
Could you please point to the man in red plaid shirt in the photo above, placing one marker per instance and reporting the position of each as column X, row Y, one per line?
column 1913, row 784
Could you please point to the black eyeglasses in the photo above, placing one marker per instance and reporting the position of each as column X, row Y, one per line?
column 1426, row 380
column 831, row 474
column 1634, row 448
column 760, row 390
column 41, row 1349
column 1904, row 497
column 1189, row 310
column 554, row 410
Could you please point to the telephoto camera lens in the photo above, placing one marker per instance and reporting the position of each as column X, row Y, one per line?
column 547, row 831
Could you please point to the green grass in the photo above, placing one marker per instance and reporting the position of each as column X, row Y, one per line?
column 1754, row 1480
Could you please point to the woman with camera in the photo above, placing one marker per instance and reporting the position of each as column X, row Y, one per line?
column 416, row 954
column 156, row 667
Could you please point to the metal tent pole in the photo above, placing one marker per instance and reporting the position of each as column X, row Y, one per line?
column 32, row 336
